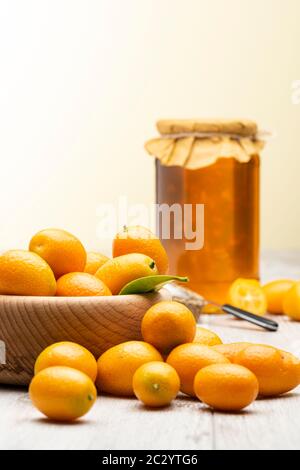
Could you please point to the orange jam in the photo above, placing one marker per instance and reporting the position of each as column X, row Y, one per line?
column 228, row 187
column 229, row 191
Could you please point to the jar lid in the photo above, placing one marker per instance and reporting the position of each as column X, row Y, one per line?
column 234, row 127
column 198, row 143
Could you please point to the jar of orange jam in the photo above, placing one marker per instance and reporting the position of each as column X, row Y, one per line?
column 214, row 165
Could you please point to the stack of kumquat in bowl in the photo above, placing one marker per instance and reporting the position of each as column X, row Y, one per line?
column 175, row 355
column 58, row 264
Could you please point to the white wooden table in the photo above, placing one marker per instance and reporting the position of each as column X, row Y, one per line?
column 116, row 423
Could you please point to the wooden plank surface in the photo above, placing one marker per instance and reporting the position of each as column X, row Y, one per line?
column 125, row 424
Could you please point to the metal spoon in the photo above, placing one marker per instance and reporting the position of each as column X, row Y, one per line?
column 196, row 302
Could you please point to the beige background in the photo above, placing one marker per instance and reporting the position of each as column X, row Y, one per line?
column 83, row 82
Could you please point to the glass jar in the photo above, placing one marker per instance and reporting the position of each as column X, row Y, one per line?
column 215, row 164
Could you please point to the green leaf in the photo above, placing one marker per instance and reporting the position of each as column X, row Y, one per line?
column 149, row 284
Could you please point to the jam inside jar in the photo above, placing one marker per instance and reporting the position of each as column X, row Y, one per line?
column 228, row 189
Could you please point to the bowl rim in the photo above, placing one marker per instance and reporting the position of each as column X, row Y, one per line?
column 79, row 299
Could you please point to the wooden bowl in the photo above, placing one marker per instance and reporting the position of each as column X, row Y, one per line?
column 29, row 324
